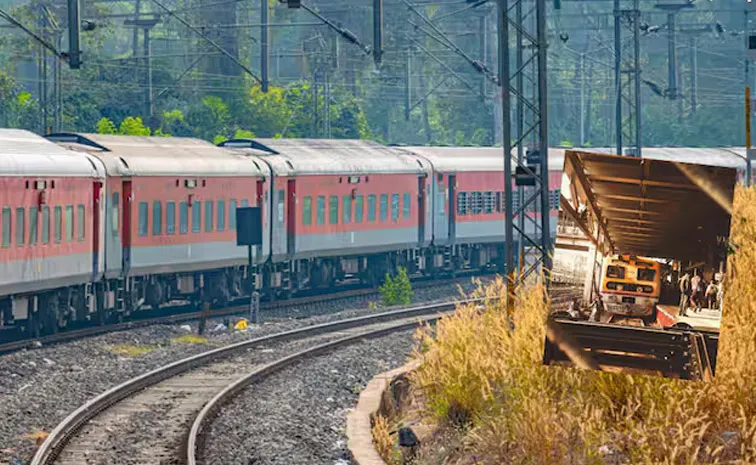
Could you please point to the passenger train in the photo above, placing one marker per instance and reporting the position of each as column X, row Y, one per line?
column 95, row 227
column 630, row 286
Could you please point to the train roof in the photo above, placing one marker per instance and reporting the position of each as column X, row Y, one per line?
column 23, row 153
column 460, row 159
column 161, row 156
column 289, row 157
column 727, row 157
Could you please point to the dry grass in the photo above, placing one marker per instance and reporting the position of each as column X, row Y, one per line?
column 384, row 443
column 488, row 380
column 189, row 339
column 130, row 350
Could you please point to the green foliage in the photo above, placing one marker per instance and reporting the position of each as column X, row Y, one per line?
column 218, row 139
column 242, row 134
column 397, row 290
column 105, row 126
column 132, row 126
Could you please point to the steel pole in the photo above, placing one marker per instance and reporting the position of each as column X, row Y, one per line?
column 264, row 54
column 693, row 74
column 544, row 139
column 74, row 28
column 618, row 74
column 672, row 61
column 582, row 99
column 506, row 142
column 377, row 31
column 519, row 109
column 637, row 71
column 148, row 73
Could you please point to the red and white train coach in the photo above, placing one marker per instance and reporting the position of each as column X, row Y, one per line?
column 341, row 208
column 49, row 231
column 170, row 218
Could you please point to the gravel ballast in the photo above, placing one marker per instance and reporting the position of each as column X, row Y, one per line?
column 298, row 416
column 40, row 387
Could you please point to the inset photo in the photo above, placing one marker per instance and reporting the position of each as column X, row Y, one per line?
column 642, row 245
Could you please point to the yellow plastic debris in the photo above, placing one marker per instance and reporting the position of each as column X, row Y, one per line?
column 241, row 325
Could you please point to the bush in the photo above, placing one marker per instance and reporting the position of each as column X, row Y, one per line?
column 480, row 373
column 397, row 290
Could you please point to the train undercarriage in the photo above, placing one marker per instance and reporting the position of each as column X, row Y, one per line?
column 114, row 300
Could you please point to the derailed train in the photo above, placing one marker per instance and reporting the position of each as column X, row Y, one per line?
column 95, row 227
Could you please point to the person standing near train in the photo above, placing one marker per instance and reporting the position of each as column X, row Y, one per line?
column 695, row 296
column 684, row 293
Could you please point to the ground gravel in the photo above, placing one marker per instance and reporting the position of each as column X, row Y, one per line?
column 40, row 387
column 298, row 416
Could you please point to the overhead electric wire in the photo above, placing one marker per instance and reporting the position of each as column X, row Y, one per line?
column 208, row 40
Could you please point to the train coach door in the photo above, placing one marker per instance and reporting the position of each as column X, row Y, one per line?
column 291, row 216
column 260, row 195
column 126, row 225
column 421, row 210
column 96, row 228
column 452, row 211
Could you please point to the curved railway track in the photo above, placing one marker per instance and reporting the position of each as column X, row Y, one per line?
column 174, row 395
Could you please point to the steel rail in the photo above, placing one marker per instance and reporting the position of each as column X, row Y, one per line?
column 69, row 427
column 233, row 389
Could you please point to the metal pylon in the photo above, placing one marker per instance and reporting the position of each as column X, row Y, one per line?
column 627, row 77
column 524, row 81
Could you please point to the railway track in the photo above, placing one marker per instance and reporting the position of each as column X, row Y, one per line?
column 270, row 307
column 159, row 407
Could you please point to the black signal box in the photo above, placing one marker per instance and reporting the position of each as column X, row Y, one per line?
column 249, row 226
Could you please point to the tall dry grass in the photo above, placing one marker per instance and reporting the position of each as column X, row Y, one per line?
column 486, row 379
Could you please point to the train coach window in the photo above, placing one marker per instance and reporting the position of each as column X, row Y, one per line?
column 6, row 227
column 477, row 203
column 114, row 214
column 384, row 207
column 143, row 211
column 371, row 208
column 359, row 212
column 170, row 218
column 208, row 216
column 197, row 217
column 646, row 274
column 488, row 202
column 333, row 209
column 557, row 194
column 281, row 199
column 58, row 223
column 346, row 209
column 307, row 211
column 20, row 225
column 407, row 204
column 615, row 272
column 515, row 201
column 462, row 203
column 183, row 218
column 232, row 214
column 80, row 223
column 45, row 239
column 221, row 215
column 157, row 218
column 69, row 223
column 320, row 210
column 33, row 220
column 394, row 207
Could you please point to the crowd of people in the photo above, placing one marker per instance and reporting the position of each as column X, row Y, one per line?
column 696, row 293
